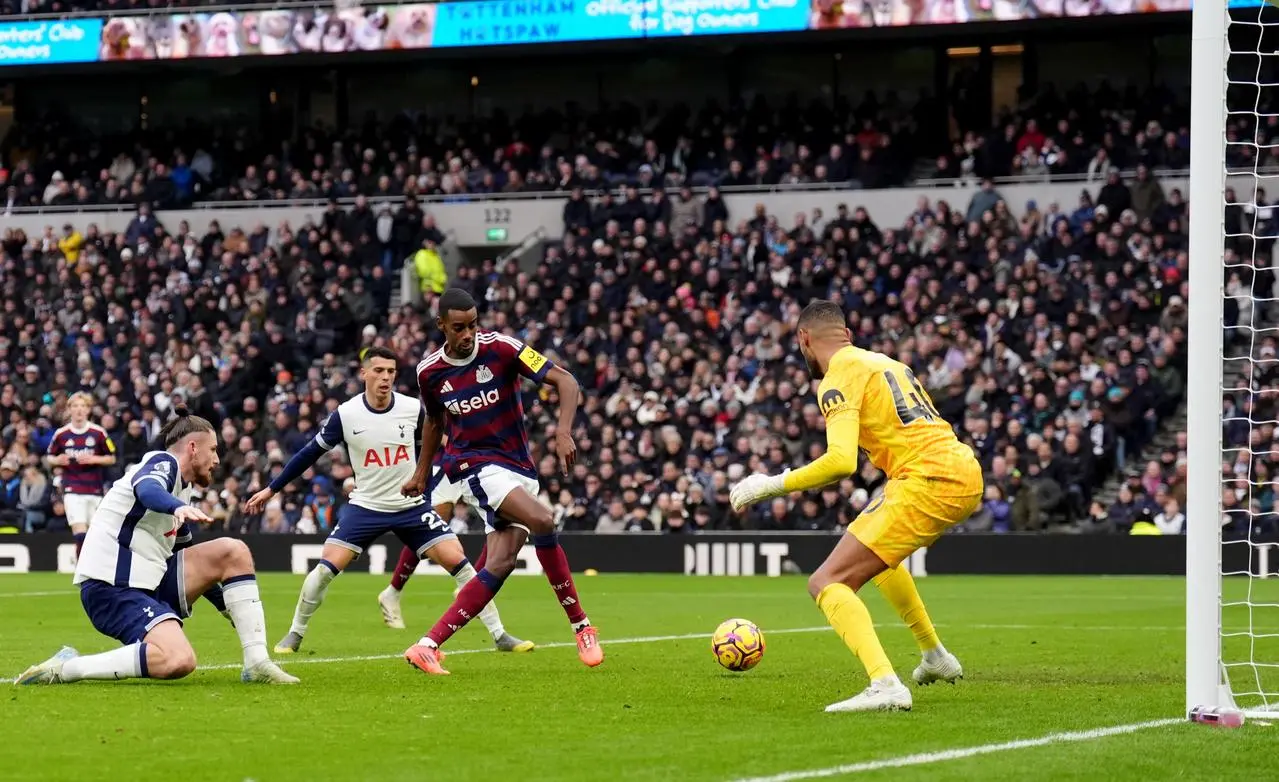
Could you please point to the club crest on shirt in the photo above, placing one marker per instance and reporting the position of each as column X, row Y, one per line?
column 483, row 374
column 402, row 428
column 88, row 442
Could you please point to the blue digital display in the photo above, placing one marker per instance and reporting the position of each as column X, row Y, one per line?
column 498, row 22
column 61, row 41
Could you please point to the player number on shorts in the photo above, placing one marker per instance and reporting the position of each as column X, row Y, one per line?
column 432, row 520
column 914, row 404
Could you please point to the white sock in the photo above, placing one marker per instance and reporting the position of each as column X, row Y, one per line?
column 488, row 614
column 122, row 663
column 887, row 682
column 313, row 590
column 935, row 654
column 245, row 607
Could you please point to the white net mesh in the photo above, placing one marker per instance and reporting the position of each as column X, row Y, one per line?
column 1250, row 458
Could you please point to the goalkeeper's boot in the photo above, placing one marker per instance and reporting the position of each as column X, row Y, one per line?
column 49, row 671
column 389, row 601
column 509, row 643
column 289, row 643
column 887, row 694
column 943, row 667
column 267, row 672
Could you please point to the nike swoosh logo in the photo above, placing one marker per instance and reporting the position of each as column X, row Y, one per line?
column 359, row 431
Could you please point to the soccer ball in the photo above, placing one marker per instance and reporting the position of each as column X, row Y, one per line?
column 738, row 645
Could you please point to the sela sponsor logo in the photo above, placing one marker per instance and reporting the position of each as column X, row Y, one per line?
column 474, row 403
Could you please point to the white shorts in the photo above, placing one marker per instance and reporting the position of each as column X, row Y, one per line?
column 80, row 508
column 483, row 490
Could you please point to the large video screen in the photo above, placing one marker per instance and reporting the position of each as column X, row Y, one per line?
column 472, row 23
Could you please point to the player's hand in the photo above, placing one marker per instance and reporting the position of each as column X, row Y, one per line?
column 414, row 487
column 756, row 487
column 566, row 449
column 191, row 513
column 59, row 461
column 258, row 501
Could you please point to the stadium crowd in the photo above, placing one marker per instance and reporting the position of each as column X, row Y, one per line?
column 1055, row 341
column 877, row 143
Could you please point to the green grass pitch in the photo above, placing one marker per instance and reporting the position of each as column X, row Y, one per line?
column 1043, row 656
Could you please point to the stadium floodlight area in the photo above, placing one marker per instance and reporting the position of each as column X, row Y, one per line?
column 1232, row 609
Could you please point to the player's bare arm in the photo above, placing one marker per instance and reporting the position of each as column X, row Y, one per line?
column 432, row 434
column 570, row 394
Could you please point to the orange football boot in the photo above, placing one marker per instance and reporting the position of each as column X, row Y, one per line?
column 588, row 647
column 426, row 659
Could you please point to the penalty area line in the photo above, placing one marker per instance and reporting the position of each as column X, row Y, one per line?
column 926, row 758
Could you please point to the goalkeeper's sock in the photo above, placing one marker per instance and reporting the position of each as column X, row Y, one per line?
column 898, row 588
column 313, row 590
column 848, row 615
column 126, row 662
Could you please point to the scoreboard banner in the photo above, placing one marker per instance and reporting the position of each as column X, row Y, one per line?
column 716, row 554
column 325, row 29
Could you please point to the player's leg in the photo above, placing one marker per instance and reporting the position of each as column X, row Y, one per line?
column 334, row 558
column 79, row 509
column 425, row 655
column 834, row 586
column 154, row 645
column 449, row 555
column 226, row 562
column 389, row 599
column 519, row 507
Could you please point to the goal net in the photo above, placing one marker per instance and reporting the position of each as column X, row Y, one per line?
column 1232, row 608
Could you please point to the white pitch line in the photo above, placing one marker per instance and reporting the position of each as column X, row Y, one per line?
column 926, row 758
column 40, row 594
column 648, row 639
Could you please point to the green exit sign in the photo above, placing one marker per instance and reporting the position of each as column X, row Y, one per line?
column 495, row 235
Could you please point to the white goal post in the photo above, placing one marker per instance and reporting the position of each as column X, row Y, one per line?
column 1232, row 612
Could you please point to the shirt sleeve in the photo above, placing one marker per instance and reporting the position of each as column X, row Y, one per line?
column 840, row 398
column 530, row 363
column 106, row 446
column 431, row 401
column 330, row 435
column 55, row 446
column 161, row 468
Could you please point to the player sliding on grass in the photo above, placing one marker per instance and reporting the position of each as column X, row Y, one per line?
column 934, row 481
column 380, row 431
column 472, row 384
column 139, row 575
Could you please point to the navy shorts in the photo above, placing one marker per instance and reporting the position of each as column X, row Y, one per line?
column 127, row 614
column 419, row 528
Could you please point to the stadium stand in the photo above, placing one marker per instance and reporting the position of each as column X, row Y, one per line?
column 170, row 164
column 1056, row 337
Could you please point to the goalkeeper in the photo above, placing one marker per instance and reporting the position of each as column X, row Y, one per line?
column 934, row 481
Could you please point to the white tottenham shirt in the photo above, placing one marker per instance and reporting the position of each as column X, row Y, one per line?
column 382, row 447
column 128, row 545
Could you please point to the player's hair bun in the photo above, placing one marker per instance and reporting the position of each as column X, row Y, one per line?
column 181, row 410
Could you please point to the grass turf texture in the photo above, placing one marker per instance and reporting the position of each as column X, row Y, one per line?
column 1042, row 655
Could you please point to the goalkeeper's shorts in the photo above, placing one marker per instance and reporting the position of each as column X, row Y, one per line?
column 913, row 512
